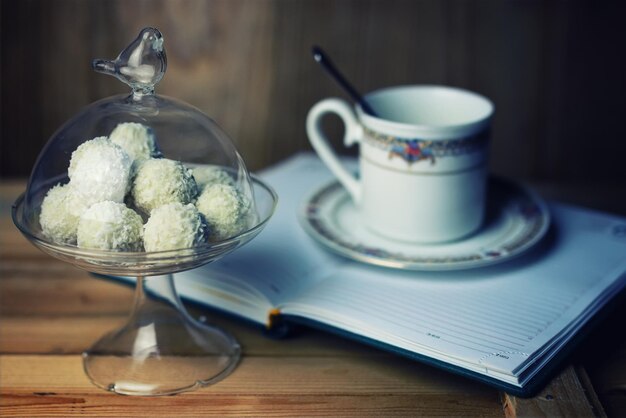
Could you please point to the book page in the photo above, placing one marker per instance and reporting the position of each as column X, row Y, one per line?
column 279, row 263
column 496, row 320
column 505, row 321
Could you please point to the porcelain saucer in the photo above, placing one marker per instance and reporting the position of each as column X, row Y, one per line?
column 516, row 220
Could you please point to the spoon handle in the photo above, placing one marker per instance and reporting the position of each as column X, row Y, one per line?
column 320, row 56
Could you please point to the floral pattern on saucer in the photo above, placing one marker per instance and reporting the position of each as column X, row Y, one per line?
column 516, row 220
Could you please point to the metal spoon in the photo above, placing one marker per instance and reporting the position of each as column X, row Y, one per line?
column 320, row 56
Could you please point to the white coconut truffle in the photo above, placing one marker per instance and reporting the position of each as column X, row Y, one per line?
column 174, row 226
column 206, row 175
column 110, row 226
column 60, row 213
column 136, row 139
column 100, row 170
column 162, row 181
column 226, row 210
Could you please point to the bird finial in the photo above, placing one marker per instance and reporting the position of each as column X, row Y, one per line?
column 141, row 64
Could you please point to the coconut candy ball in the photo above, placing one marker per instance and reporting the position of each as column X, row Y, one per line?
column 225, row 210
column 136, row 139
column 162, row 181
column 206, row 175
column 110, row 226
column 60, row 213
column 140, row 129
column 174, row 226
column 100, row 170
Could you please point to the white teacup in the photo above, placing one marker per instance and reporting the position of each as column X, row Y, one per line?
column 422, row 160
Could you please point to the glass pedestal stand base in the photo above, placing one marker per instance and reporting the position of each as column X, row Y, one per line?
column 161, row 350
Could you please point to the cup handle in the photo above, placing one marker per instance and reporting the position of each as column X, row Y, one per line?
column 319, row 141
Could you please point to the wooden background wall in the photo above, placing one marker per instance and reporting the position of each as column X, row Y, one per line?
column 555, row 70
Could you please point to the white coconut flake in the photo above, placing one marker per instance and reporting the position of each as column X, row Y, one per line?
column 100, row 170
column 110, row 226
column 226, row 210
column 207, row 175
column 174, row 226
column 136, row 139
column 161, row 181
column 60, row 212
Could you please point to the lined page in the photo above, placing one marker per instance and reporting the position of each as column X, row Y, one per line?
column 501, row 320
column 281, row 262
column 493, row 318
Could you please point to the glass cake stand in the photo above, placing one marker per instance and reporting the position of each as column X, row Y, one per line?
column 161, row 350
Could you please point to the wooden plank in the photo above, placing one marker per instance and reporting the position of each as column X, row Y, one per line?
column 55, row 385
column 564, row 396
column 20, row 124
column 53, row 335
column 60, row 291
column 581, row 32
column 209, row 405
column 506, row 43
column 247, row 64
column 73, row 334
column 605, row 363
column 590, row 391
column 69, row 334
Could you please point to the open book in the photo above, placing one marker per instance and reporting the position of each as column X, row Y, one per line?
column 502, row 324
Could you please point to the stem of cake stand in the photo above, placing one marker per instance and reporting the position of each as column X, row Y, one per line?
column 161, row 350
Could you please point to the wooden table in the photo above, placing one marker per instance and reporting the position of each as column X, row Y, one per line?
column 52, row 311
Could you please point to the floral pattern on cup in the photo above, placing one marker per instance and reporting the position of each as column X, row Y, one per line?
column 413, row 150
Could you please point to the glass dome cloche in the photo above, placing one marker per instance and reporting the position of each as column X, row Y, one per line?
column 145, row 185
